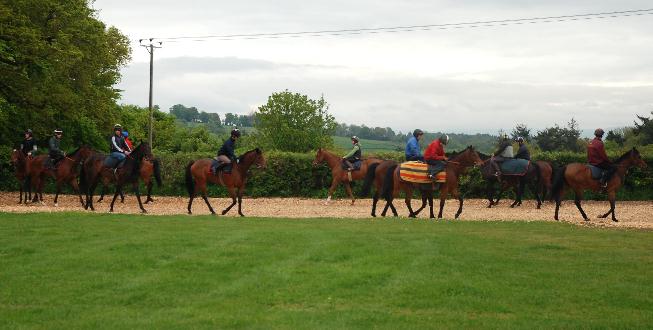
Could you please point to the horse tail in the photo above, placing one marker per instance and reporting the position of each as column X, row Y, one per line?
column 369, row 177
column 157, row 171
column 389, row 183
column 190, row 184
column 558, row 182
column 538, row 174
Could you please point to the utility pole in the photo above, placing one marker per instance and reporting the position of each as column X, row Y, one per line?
column 150, row 49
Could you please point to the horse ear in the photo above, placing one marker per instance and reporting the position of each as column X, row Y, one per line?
column 258, row 151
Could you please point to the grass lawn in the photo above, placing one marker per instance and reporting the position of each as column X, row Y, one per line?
column 70, row 270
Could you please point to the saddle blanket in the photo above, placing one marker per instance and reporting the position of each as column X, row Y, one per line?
column 515, row 166
column 597, row 172
column 112, row 162
column 357, row 165
column 417, row 172
column 215, row 163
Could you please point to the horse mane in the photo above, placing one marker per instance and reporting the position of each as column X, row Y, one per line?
column 242, row 157
column 74, row 153
column 626, row 155
column 456, row 154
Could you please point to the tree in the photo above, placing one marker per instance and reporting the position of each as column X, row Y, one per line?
column 521, row 130
column 644, row 129
column 558, row 138
column 185, row 113
column 615, row 137
column 294, row 122
column 59, row 65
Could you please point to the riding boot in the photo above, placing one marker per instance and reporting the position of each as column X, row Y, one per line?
column 604, row 181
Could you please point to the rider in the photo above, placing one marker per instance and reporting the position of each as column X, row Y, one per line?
column 55, row 152
column 503, row 153
column 523, row 152
column 596, row 156
column 226, row 154
column 129, row 143
column 354, row 155
column 434, row 154
column 413, row 151
column 119, row 148
column 28, row 146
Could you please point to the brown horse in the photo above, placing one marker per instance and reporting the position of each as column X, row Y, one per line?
column 543, row 186
column 340, row 175
column 376, row 174
column 148, row 169
column 517, row 182
column 578, row 177
column 456, row 166
column 198, row 174
column 66, row 171
column 20, row 163
column 94, row 171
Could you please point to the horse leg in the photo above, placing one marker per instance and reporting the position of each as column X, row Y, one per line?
column 232, row 193
column 205, row 197
column 334, row 185
column 430, row 198
column 489, row 190
column 35, row 184
column 56, row 195
column 349, row 192
column 442, row 200
column 122, row 197
column 424, row 201
column 577, row 201
column 73, row 183
column 409, row 196
column 137, row 190
column 520, row 192
column 20, row 200
column 89, row 199
column 115, row 195
column 149, row 192
column 457, row 195
column 536, row 191
column 191, row 196
column 611, row 198
column 375, row 199
column 240, row 202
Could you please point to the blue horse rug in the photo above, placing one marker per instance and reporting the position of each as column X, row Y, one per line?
column 515, row 167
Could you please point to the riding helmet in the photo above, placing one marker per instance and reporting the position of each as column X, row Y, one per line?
column 29, row 131
column 519, row 139
column 235, row 132
column 444, row 139
column 354, row 138
column 599, row 132
column 417, row 132
column 58, row 131
column 117, row 127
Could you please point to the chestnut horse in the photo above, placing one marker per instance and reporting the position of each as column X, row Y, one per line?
column 376, row 174
column 578, row 177
column 67, row 171
column 456, row 166
column 198, row 174
column 340, row 175
column 93, row 170
column 20, row 163
column 148, row 168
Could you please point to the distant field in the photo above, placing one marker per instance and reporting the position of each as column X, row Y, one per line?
column 368, row 145
column 73, row 270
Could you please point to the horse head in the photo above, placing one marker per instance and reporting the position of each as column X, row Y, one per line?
column 143, row 150
column 319, row 157
column 469, row 157
column 16, row 157
column 260, row 160
column 636, row 158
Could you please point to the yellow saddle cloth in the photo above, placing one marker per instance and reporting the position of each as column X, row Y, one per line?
column 417, row 172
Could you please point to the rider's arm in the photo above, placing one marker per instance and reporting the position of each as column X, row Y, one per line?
column 115, row 144
column 352, row 152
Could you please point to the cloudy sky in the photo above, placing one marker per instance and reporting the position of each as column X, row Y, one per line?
column 459, row 80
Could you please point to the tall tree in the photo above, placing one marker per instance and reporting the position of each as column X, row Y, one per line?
column 294, row 122
column 644, row 129
column 521, row 130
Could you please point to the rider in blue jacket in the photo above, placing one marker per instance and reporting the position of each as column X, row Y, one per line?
column 413, row 151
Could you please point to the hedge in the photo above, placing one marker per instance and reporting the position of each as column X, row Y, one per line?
column 293, row 175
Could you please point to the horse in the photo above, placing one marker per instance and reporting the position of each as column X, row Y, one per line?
column 20, row 162
column 340, row 175
column 517, row 182
column 578, row 177
column 543, row 186
column 456, row 166
column 66, row 171
column 198, row 174
column 148, row 168
column 93, row 170
column 376, row 175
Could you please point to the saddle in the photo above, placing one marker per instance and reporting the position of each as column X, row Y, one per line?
column 114, row 163
column 418, row 172
column 515, row 166
column 597, row 172
column 218, row 166
column 357, row 165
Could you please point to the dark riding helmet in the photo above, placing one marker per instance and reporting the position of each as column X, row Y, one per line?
column 599, row 132
column 58, row 131
column 354, row 138
column 417, row 132
column 235, row 132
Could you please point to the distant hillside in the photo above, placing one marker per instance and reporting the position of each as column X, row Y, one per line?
column 344, row 143
column 482, row 142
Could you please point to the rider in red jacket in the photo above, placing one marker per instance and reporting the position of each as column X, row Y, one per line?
column 596, row 156
column 435, row 150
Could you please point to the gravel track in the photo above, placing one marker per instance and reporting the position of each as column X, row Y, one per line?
column 630, row 214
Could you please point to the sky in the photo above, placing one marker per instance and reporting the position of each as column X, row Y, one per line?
column 456, row 80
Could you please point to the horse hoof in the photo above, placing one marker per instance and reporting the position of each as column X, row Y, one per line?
column 56, row 204
column 143, row 211
column 224, row 212
column 615, row 220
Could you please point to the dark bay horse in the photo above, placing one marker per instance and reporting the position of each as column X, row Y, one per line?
column 20, row 163
column 543, row 187
column 532, row 177
column 456, row 166
column 149, row 168
column 198, row 174
column 67, row 171
column 340, row 175
column 94, row 171
column 376, row 174
column 578, row 177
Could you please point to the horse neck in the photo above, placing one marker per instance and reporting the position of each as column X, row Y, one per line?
column 332, row 160
column 625, row 164
column 246, row 163
column 463, row 162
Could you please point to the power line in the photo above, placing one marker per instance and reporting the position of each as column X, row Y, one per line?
column 412, row 28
